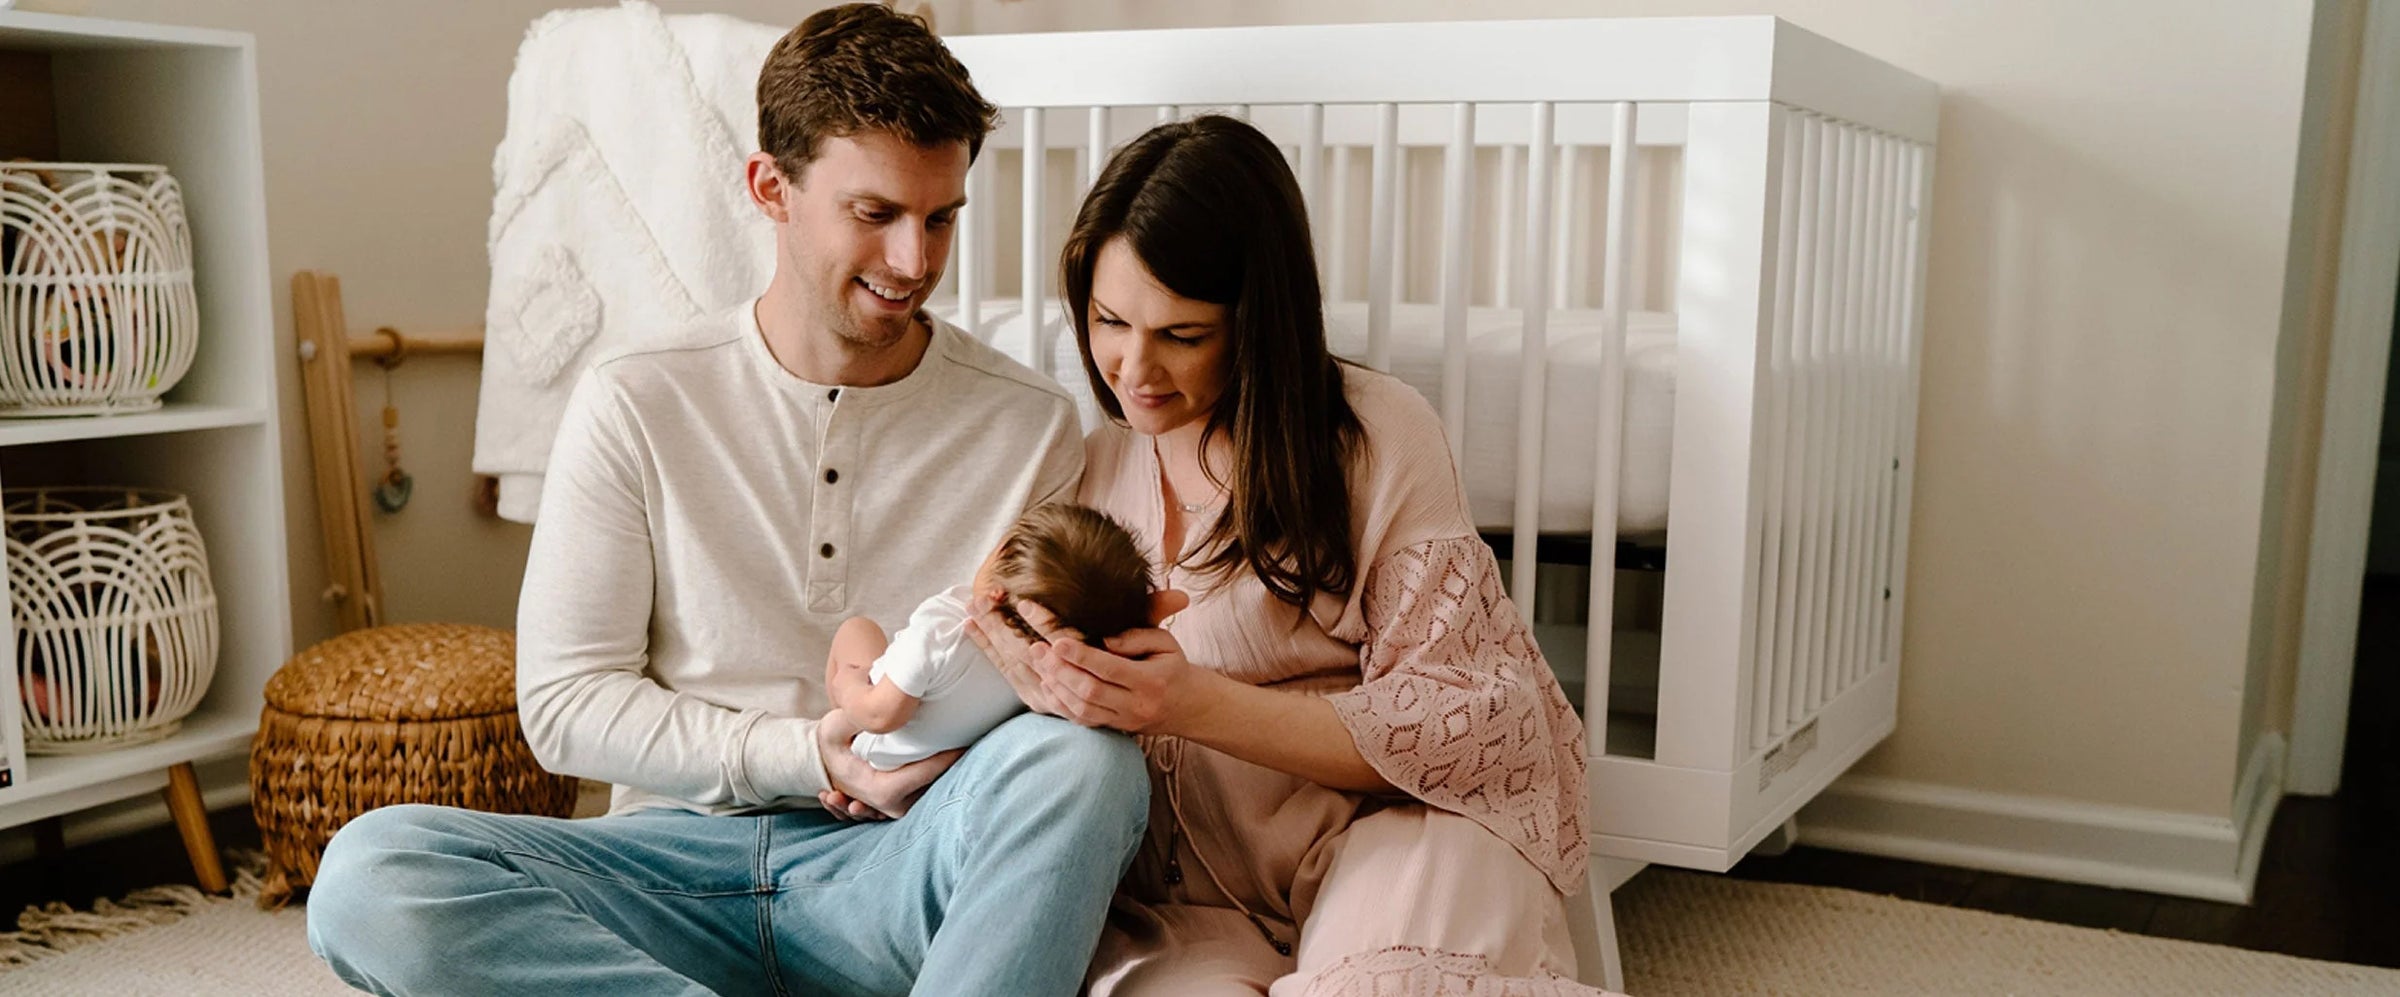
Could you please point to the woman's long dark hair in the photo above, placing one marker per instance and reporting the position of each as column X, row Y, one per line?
column 1210, row 207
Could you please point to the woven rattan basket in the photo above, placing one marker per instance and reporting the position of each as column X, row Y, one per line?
column 116, row 620
column 409, row 713
column 96, row 306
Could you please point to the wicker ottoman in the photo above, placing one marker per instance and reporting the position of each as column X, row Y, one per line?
column 410, row 713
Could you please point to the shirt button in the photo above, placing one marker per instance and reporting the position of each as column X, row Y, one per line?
column 832, row 475
column 825, row 551
column 833, row 394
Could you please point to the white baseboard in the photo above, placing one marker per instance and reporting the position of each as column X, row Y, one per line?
column 2211, row 858
column 223, row 783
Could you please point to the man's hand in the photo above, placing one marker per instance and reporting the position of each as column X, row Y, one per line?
column 1023, row 660
column 862, row 792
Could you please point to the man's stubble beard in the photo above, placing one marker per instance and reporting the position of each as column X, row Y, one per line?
column 862, row 335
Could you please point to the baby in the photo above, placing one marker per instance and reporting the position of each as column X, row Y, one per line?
column 929, row 688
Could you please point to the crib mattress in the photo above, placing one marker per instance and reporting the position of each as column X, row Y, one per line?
column 1571, row 400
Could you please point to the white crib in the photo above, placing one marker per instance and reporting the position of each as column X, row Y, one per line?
column 1713, row 341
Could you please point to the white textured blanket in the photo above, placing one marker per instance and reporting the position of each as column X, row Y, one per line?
column 619, row 214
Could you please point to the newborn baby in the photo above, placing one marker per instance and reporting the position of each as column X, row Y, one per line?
column 928, row 688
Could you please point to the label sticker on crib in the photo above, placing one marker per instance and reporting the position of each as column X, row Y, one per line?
column 1786, row 755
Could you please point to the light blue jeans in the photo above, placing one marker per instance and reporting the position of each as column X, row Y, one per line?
column 996, row 882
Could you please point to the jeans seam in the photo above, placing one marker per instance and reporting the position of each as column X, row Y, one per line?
column 764, row 889
column 580, row 870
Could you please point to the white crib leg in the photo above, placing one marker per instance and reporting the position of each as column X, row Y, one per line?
column 1604, row 927
column 1592, row 922
column 1779, row 840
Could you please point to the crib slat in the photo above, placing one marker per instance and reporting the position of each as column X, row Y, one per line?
column 1774, row 400
column 1887, row 366
column 1532, row 369
column 1029, row 288
column 1793, row 595
column 1380, row 196
column 1837, row 422
column 1849, row 529
column 1650, row 190
column 1810, row 315
column 1458, row 248
column 1811, row 369
column 1609, row 462
column 1338, row 194
column 1169, row 112
column 1312, row 181
column 971, row 251
column 1875, row 469
column 1403, row 211
column 1897, row 359
column 1856, row 407
column 1095, row 146
column 1845, row 239
column 1826, row 418
column 1867, row 422
column 1885, row 404
column 1844, row 392
column 1563, row 259
column 1847, row 492
column 1813, row 553
column 1504, row 234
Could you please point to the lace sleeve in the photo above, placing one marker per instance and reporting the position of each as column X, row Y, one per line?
column 1459, row 710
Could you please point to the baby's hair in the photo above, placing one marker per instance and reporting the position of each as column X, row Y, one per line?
column 1081, row 565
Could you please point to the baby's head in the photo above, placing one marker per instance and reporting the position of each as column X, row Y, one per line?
column 1079, row 564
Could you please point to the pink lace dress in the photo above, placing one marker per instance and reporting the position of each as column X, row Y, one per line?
column 1253, row 879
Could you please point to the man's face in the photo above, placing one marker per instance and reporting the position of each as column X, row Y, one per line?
column 865, row 231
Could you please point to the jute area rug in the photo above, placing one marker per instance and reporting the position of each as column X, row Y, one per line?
column 1682, row 933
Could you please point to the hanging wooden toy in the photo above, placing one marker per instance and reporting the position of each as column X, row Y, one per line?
column 393, row 490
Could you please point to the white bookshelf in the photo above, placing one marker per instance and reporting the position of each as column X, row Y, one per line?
column 170, row 418
column 187, row 99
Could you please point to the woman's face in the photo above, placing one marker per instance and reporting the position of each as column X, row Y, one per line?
column 1165, row 357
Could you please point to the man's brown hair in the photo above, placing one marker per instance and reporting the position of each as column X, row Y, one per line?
column 1082, row 566
column 864, row 67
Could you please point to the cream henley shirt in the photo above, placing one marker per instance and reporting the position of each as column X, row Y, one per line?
column 710, row 519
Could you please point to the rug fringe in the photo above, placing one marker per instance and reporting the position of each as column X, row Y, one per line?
column 48, row 929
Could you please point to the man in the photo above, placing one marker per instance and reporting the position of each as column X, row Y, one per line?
column 715, row 506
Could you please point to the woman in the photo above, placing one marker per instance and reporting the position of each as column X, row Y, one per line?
column 1362, row 769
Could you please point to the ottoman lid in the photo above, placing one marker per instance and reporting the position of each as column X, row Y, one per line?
column 405, row 671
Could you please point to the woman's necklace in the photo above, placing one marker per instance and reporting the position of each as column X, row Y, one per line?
column 1189, row 508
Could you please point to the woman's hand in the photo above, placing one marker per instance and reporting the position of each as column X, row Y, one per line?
column 1020, row 658
column 1138, row 682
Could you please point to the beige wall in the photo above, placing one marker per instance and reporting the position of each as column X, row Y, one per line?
column 2111, row 215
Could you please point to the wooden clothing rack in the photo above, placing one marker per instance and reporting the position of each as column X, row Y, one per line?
column 353, row 583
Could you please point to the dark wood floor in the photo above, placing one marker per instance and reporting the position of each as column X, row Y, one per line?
column 2328, row 883
column 115, row 866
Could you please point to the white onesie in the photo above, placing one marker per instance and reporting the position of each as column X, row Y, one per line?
column 961, row 694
